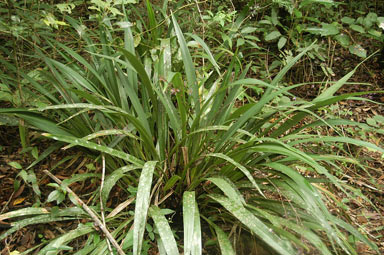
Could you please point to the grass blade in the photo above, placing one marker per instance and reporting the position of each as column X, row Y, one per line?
column 37, row 120
column 139, row 67
column 228, row 188
column 301, row 115
column 335, row 87
column 142, row 205
column 188, row 65
column 111, row 180
column 299, row 229
column 348, row 140
column 165, row 231
column 267, row 97
column 254, row 224
column 82, row 61
column 207, row 50
column 191, row 222
column 224, row 242
column 94, row 146
column 241, row 167
column 23, row 212
column 152, row 23
column 40, row 219
column 45, row 154
column 225, row 245
column 196, row 241
column 54, row 246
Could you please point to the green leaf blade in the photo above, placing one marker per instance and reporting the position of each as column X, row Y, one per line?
column 188, row 65
column 165, row 231
column 253, row 223
column 191, row 222
column 142, row 205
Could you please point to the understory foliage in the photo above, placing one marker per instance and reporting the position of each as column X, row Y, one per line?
column 199, row 163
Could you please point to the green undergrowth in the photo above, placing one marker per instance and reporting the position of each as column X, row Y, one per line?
column 196, row 162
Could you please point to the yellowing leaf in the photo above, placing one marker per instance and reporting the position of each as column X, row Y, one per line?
column 19, row 201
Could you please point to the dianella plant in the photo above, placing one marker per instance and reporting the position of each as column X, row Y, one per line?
column 199, row 167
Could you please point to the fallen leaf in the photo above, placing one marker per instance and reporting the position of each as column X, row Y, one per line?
column 361, row 219
column 19, row 200
column 48, row 234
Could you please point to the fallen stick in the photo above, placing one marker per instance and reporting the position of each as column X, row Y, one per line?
column 91, row 213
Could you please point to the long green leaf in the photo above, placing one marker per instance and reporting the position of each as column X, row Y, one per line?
column 97, row 147
column 250, row 111
column 76, row 77
column 53, row 247
column 161, row 247
column 228, row 188
column 225, row 245
column 197, row 237
column 191, row 222
column 207, row 50
column 254, row 224
column 36, row 120
column 172, row 113
column 310, row 196
column 45, row 154
column 79, row 177
column 317, row 104
column 34, row 220
column 224, row 242
column 241, row 167
column 139, row 67
column 142, row 205
column 356, row 233
column 152, row 23
column 23, row 212
column 299, row 228
column 188, row 65
column 135, row 101
column 82, row 61
column 335, row 87
column 284, row 149
column 182, row 105
column 165, row 231
column 129, row 45
column 147, row 138
column 287, row 67
column 111, row 180
column 340, row 140
column 267, row 97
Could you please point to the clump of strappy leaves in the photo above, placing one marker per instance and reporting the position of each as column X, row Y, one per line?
column 191, row 158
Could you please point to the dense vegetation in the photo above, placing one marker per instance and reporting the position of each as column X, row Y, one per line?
column 191, row 121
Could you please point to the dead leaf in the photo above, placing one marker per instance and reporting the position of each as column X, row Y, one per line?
column 19, row 200
column 48, row 234
column 361, row 219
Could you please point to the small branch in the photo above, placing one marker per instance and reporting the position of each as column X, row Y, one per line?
column 91, row 213
column 101, row 199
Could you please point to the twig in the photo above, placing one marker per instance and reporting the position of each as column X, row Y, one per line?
column 91, row 213
column 7, row 203
column 101, row 199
